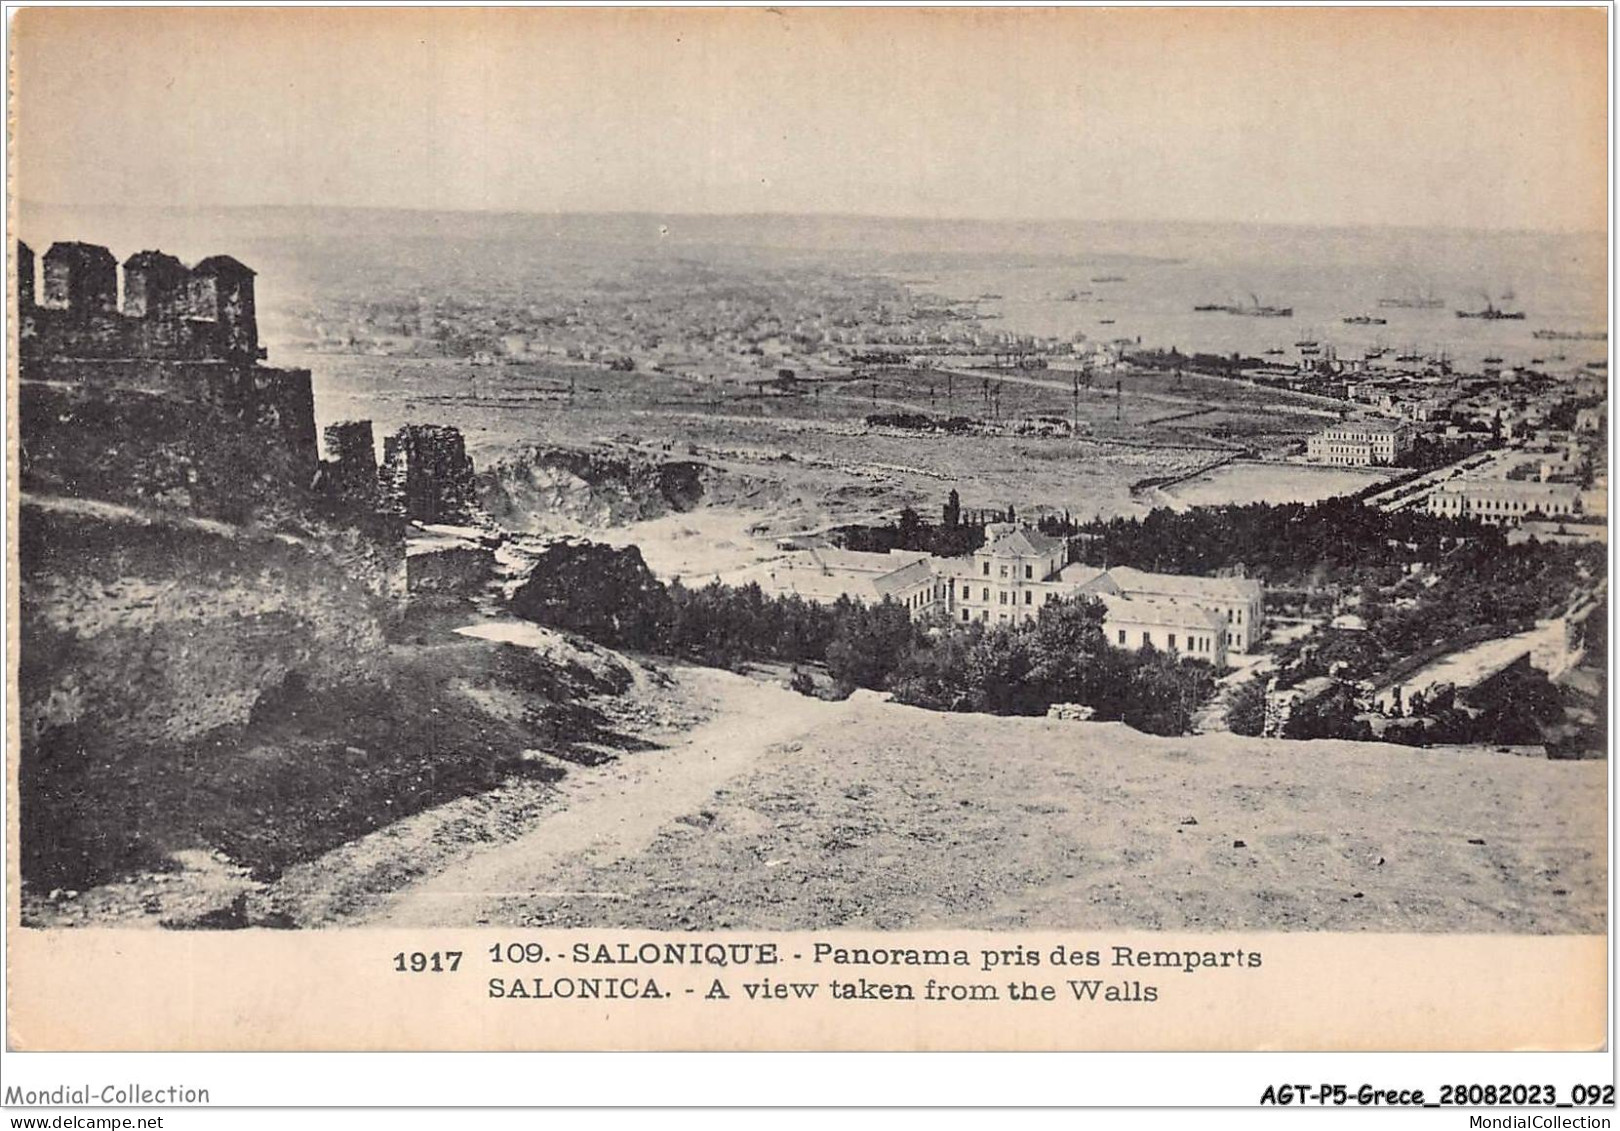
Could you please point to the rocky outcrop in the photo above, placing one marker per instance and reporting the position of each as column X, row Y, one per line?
column 603, row 592
column 546, row 488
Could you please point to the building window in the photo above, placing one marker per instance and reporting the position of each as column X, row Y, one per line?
column 1172, row 642
column 1003, row 571
column 1122, row 637
column 987, row 569
column 1029, row 598
column 1029, row 572
column 1001, row 598
column 965, row 615
column 1147, row 637
column 987, row 594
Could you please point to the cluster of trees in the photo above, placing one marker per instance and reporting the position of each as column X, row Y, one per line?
column 1477, row 593
column 1010, row 669
column 922, row 422
column 1059, row 657
column 1426, row 454
column 1337, row 540
column 951, row 537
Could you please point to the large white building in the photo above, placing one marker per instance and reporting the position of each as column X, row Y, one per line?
column 1238, row 603
column 1360, row 443
column 1019, row 570
column 1504, row 502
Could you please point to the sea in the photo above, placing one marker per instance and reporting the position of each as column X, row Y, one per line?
column 1105, row 281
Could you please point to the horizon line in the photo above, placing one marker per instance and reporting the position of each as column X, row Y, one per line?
column 24, row 202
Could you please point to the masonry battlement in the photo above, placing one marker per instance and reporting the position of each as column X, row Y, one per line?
column 169, row 311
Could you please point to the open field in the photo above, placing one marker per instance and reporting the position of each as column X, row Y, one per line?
column 827, row 465
column 784, row 812
column 1244, row 482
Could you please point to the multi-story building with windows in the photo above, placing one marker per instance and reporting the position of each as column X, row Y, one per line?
column 1166, row 624
column 1499, row 502
column 1360, row 443
column 1018, row 571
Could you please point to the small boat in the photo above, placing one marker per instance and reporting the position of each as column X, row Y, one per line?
column 1274, row 351
column 1493, row 361
column 1213, row 307
column 1108, row 278
column 1571, row 335
column 1365, row 320
column 1424, row 301
column 1105, row 321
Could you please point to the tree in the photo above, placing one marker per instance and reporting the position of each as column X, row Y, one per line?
column 868, row 645
column 952, row 516
column 1246, row 710
column 1164, row 692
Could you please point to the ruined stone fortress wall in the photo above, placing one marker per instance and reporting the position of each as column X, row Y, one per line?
column 179, row 560
column 169, row 310
column 162, row 402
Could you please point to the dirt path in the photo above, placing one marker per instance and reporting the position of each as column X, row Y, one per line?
column 611, row 813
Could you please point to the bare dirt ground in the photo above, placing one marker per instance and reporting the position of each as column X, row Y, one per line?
column 785, row 812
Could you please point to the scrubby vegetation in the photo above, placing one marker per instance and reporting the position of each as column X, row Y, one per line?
column 1005, row 669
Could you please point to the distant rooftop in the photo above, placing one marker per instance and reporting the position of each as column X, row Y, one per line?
column 1165, row 611
column 1185, row 586
column 1025, row 543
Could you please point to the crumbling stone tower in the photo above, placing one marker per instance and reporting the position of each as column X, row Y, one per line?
column 426, row 474
column 222, row 293
column 155, row 286
column 349, row 473
column 25, row 276
column 80, row 278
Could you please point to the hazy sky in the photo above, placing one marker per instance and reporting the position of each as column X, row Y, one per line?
column 1464, row 117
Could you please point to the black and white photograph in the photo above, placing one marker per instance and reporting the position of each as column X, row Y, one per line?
column 758, row 470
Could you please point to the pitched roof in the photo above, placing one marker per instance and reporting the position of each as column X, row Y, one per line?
column 1088, row 578
column 854, row 561
column 906, row 577
column 1024, row 543
column 222, row 265
column 1162, row 611
column 153, row 259
column 83, row 252
column 1134, row 582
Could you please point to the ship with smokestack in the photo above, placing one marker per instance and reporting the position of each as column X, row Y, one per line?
column 1254, row 308
column 1490, row 312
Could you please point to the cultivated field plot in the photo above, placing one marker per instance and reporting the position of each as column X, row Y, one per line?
column 790, row 813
